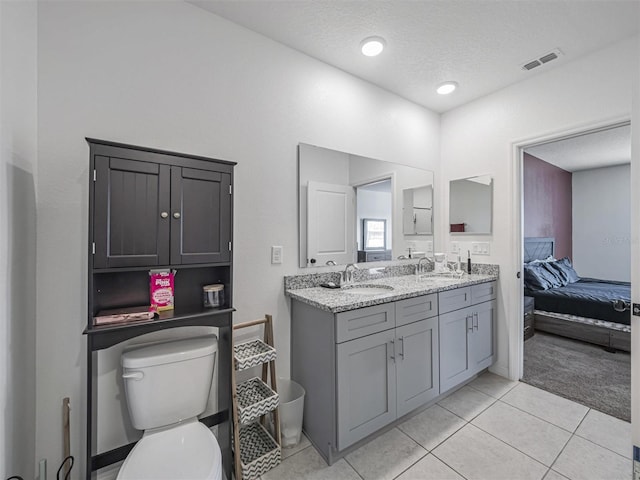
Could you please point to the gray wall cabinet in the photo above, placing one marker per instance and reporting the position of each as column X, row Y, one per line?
column 365, row 368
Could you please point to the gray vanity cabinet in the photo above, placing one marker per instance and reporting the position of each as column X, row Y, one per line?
column 366, row 394
column 364, row 368
column 417, row 365
column 466, row 336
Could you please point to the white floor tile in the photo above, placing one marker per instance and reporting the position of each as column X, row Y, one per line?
column 475, row 454
column 552, row 408
column 492, row 384
column 309, row 465
column 608, row 432
column 583, row 460
column 467, row 402
column 304, row 443
column 386, row 456
column 432, row 426
column 531, row 435
column 430, row 468
column 552, row 475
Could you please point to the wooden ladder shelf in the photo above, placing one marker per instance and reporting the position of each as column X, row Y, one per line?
column 255, row 450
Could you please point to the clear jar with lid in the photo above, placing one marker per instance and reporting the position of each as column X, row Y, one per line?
column 213, row 295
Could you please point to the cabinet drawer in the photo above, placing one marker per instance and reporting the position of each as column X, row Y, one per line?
column 451, row 300
column 364, row 321
column 483, row 292
column 414, row 309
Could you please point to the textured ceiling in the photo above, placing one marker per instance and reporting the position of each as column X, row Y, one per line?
column 592, row 150
column 481, row 44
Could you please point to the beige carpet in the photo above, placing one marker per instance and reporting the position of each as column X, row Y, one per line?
column 581, row 372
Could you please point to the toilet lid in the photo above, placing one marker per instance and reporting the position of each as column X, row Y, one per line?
column 188, row 451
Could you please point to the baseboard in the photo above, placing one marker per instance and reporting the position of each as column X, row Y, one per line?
column 500, row 369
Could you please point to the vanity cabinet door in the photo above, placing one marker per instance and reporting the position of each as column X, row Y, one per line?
column 130, row 215
column 481, row 343
column 455, row 328
column 366, row 378
column 200, row 216
column 417, row 364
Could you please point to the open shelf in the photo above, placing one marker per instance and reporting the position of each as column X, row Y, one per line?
column 105, row 336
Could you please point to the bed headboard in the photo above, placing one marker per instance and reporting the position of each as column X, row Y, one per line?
column 538, row 248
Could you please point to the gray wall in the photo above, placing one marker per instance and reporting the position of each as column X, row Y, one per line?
column 601, row 222
column 18, row 152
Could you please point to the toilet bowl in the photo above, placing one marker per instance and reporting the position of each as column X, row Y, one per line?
column 167, row 386
column 189, row 451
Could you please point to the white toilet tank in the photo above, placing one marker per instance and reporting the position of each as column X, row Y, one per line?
column 168, row 382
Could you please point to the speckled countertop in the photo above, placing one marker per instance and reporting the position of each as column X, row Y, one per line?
column 404, row 286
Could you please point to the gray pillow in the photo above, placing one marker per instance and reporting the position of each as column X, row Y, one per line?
column 564, row 269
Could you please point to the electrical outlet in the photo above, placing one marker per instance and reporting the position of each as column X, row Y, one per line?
column 429, row 246
column 276, row 254
column 455, row 247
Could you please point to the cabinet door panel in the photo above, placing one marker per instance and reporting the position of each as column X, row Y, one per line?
column 200, row 216
column 454, row 349
column 366, row 386
column 417, row 364
column 129, row 197
column 481, row 341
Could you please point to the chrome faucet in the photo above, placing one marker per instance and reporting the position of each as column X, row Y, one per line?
column 420, row 268
column 347, row 275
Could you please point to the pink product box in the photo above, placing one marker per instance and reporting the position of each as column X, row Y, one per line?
column 161, row 290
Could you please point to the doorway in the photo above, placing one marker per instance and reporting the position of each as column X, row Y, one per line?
column 591, row 250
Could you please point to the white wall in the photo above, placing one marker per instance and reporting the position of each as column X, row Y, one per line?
column 171, row 76
column 480, row 138
column 601, row 222
column 635, row 253
column 18, row 153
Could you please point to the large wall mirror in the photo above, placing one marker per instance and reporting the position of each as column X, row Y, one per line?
column 357, row 209
column 471, row 205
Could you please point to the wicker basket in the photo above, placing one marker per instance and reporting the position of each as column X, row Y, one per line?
column 255, row 399
column 259, row 452
column 251, row 354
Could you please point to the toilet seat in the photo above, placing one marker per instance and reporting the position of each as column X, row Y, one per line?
column 188, row 451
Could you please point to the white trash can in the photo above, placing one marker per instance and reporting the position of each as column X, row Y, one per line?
column 291, row 409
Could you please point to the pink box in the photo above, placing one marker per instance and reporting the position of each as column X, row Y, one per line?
column 161, row 290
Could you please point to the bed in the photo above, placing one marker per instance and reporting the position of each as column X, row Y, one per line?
column 587, row 309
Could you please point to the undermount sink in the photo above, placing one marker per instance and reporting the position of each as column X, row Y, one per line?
column 367, row 289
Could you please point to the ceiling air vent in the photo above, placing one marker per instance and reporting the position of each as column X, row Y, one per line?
column 546, row 58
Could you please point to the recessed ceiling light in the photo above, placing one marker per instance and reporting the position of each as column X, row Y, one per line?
column 372, row 46
column 446, row 88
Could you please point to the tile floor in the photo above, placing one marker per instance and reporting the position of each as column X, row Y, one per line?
column 490, row 429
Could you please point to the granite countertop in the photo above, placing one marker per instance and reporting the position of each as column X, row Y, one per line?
column 404, row 286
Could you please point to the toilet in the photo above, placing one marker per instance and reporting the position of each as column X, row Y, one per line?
column 167, row 386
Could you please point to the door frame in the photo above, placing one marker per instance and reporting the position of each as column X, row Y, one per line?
column 515, row 306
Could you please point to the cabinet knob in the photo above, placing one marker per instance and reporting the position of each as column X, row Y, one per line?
column 176, row 215
column 164, row 214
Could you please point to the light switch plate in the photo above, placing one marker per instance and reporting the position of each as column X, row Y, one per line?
column 276, row 254
column 481, row 248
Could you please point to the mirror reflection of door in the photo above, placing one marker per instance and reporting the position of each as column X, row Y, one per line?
column 374, row 219
column 329, row 204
